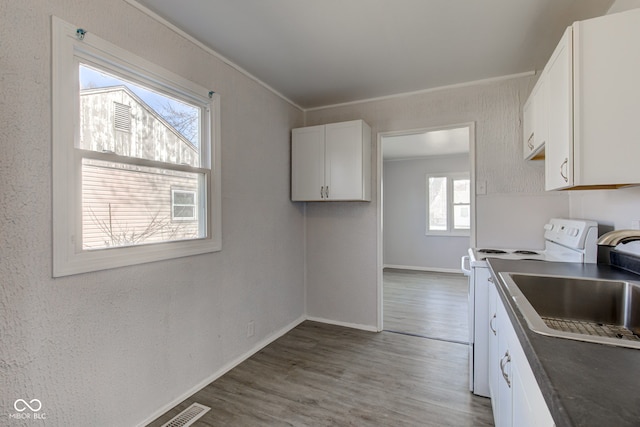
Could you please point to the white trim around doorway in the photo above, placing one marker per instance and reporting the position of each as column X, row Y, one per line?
column 379, row 202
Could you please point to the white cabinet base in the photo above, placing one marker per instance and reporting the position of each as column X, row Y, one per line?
column 515, row 395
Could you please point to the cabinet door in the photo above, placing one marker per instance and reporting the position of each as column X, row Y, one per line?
column 493, row 347
column 559, row 146
column 307, row 163
column 345, row 157
column 504, row 414
column 535, row 121
column 528, row 119
column 529, row 407
column 607, row 99
column 541, row 114
column 519, row 401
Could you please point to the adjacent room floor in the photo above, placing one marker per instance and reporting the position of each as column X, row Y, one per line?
column 325, row 375
column 426, row 304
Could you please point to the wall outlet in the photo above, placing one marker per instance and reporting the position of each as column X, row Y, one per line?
column 481, row 187
column 251, row 328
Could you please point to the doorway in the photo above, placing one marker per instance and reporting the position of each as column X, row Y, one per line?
column 426, row 221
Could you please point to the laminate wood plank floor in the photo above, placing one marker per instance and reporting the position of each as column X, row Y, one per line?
column 428, row 304
column 325, row 375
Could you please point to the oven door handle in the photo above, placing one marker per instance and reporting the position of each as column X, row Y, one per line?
column 463, row 262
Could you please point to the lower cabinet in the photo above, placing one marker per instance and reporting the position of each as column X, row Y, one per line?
column 493, row 369
column 515, row 395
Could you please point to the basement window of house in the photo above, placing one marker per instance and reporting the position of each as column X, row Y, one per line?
column 448, row 204
column 183, row 205
column 136, row 158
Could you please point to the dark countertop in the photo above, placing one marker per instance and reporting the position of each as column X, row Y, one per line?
column 584, row 384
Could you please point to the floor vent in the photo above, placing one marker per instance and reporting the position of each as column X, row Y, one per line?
column 188, row 416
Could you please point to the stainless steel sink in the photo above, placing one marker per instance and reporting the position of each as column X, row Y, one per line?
column 592, row 310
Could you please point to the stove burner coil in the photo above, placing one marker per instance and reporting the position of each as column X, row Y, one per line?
column 492, row 251
column 523, row 252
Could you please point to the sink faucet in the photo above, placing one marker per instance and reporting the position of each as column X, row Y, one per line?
column 615, row 237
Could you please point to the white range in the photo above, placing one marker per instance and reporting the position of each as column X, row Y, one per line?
column 566, row 240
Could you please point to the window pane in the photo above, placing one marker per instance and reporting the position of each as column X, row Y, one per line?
column 184, row 198
column 125, row 205
column 131, row 120
column 461, row 217
column 184, row 212
column 438, row 203
column 461, row 191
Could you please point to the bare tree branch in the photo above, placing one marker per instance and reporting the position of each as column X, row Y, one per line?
column 118, row 234
column 183, row 121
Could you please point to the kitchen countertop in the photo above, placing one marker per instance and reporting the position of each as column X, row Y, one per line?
column 584, row 384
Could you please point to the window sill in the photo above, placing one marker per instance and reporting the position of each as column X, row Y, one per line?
column 448, row 234
column 104, row 259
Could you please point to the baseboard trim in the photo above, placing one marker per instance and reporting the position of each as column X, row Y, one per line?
column 369, row 328
column 433, row 269
column 226, row 368
column 238, row 360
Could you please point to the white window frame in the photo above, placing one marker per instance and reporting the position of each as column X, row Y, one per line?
column 450, row 231
column 68, row 256
column 174, row 204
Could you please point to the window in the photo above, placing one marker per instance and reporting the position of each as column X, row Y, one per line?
column 448, row 204
column 183, row 205
column 140, row 154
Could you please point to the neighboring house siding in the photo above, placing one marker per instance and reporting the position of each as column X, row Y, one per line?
column 124, row 204
column 121, row 205
column 150, row 137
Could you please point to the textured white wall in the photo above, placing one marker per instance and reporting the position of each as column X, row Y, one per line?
column 613, row 208
column 111, row 348
column 405, row 210
column 516, row 220
column 341, row 238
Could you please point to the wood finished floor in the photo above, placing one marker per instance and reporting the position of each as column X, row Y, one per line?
column 427, row 304
column 324, row 375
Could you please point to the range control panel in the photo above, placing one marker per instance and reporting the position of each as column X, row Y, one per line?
column 572, row 233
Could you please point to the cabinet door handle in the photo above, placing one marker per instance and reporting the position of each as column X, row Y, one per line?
column 490, row 279
column 491, row 324
column 326, row 192
column 503, row 362
column 321, row 192
column 529, row 143
column 565, row 165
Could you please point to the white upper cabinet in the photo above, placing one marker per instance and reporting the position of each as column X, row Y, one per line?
column 307, row 163
column 559, row 147
column 527, row 126
column 535, row 121
column 593, row 89
column 331, row 162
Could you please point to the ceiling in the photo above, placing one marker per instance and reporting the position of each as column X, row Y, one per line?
column 446, row 142
column 324, row 52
